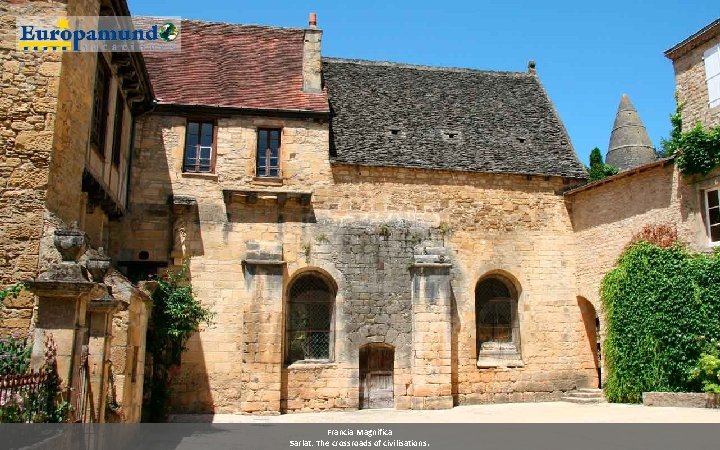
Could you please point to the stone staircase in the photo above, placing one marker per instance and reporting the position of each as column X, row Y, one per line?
column 584, row 396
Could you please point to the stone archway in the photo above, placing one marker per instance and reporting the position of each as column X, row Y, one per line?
column 591, row 322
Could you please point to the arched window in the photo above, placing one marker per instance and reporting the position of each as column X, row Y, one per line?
column 309, row 319
column 497, row 326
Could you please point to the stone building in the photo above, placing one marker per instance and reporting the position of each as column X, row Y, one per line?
column 369, row 234
column 66, row 124
column 606, row 214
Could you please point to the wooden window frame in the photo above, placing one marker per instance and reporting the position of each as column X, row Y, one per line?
column 706, row 201
column 213, row 147
column 100, row 119
column 267, row 157
column 117, row 135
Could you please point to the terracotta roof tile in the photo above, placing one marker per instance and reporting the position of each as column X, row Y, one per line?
column 236, row 66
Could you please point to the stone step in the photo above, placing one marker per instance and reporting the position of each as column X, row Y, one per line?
column 580, row 394
column 599, row 391
column 584, row 401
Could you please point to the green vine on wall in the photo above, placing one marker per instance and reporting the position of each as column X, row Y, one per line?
column 660, row 305
column 176, row 316
column 697, row 150
column 11, row 291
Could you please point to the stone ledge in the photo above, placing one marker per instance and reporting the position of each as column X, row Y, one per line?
column 317, row 364
column 681, row 399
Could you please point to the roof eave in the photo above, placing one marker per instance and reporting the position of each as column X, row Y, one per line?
column 693, row 40
column 224, row 111
column 626, row 173
column 334, row 161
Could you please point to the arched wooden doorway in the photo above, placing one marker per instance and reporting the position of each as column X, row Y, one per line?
column 376, row 376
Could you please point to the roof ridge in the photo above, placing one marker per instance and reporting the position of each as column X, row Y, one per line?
column 241, row 25
column 367, row 62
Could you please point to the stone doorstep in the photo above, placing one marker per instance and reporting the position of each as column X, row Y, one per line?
column 681, row 399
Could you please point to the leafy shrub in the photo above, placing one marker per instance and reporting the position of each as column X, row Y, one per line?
column 14, row 355
column 699, row 150
column 176, row 316
column 707, row 370
column 661, row 235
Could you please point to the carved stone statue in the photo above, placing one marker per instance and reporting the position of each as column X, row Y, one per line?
column 179, row 250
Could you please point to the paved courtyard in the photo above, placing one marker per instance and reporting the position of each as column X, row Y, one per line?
column 551, row 412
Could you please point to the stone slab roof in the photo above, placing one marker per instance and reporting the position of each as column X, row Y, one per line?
column 387, row 114
column 234, row 66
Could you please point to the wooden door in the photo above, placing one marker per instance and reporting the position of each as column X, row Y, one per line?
column 376, row 377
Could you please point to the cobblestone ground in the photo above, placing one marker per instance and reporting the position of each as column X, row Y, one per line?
column 552, row 412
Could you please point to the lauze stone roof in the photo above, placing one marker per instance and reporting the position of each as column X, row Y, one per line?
column 234, row 66
column 386, row 114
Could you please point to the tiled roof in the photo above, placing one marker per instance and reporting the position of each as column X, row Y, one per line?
column 234, row 66
column 386, row 114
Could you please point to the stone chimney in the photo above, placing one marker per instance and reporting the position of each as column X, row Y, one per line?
column 312, row 68
column 630, row 145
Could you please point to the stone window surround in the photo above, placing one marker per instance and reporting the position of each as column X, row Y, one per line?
column 495, row 357
column 213, row 157
column 702, row 187
column 706, row 212
column 320, row 362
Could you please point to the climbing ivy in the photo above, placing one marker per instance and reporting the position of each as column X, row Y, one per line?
column 661, row 306
column 698, row 150
column 11, row 291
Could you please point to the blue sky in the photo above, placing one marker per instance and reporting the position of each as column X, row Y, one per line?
column 587, row 53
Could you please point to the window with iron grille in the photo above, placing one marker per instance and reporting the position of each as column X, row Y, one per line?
column 309, row 319
column 496, row 313
column 101, row 96
column 268, row 152
column 199, row 147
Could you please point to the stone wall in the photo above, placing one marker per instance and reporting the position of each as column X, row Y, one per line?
column 606, row 216
column 692, row 87
column 29, row 87
column 361, row 230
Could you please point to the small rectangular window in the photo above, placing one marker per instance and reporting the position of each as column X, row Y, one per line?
column 101, row 103
column 712, row 202
column 268, row 152
column 712, row 74
column 199, row 147
column 117, row 128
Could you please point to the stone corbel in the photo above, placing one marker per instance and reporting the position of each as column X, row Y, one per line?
column 263, row 253
column 431, row 257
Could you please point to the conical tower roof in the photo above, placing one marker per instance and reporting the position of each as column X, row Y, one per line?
column 630, row 144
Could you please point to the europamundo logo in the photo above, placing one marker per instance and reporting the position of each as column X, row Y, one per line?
column 98, row 33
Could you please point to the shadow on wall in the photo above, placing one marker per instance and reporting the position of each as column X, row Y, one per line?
column 142, row 241
column 591, row 322
column 454, row 332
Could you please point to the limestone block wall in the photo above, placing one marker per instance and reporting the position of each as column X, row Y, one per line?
column 692, row 87
column 605, row 218
column 360, row 230
column 28, row 100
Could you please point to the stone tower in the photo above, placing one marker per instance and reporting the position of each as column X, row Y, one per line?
column 630, row 144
